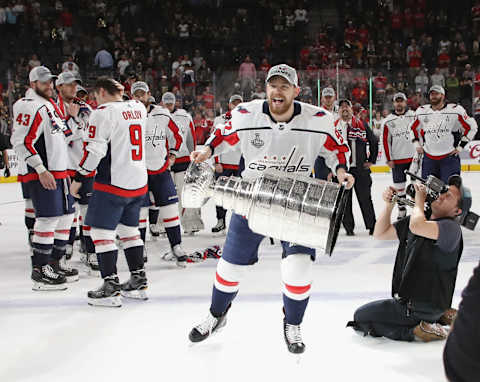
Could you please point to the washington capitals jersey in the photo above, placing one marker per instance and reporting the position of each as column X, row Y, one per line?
column 230, row 159
column 441, row 131
column 115, row 146
column 290, row 146
column 397, row 144
column 184, row 122
column 162, row 137
column 39, row 137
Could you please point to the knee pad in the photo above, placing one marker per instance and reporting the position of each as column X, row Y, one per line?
column 228, row 276
column 169, row 215
column 400, row 187
column 103, row 239
column 44, row 230
column 142, row 222
column 129, row 236
column 297, row 276
column 62, row 230
column 29, row 210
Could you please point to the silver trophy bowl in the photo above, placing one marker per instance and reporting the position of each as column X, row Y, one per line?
column 285, row 206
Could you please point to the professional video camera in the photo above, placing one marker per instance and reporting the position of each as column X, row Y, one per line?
column 435, row 187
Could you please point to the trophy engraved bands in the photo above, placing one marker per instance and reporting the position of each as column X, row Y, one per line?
column 285, row 206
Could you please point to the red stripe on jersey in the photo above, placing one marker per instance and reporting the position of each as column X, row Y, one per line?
column 185, row 159
column 218, row 138
column 297, row 289
column 103, row 242
column 142, row 221
column 225, row 282
column 178, row 138
column 43, row 234
column 34, row 176
column 64, row 231
column 403, row 161
column 385, row 143
column 230, row 166
column 130, row 238
column 414, row 128
column 331, row 145
column 29, row 210
column 465, row 125
column 120, row 191
column 170, row 219
column 32, row 133
column 438, row 157
column 87, row 228
column 85, row 154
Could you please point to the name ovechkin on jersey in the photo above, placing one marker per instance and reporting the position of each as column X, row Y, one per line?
column 280, row 162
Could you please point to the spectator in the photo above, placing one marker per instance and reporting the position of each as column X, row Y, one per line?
column 452, row 87
column 71, row 66
column 414, row 57
column 247, row 75
column 103, row 59
column 437, row 78
column 421, row 81
column 34, row 62
column 123, row 64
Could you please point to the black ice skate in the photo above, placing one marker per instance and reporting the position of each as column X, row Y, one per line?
column 210, row 325
column 136, row 286
column 45, row 278
column 108, row 294
column 219, row 228
column 61, row 267
column 293, row 338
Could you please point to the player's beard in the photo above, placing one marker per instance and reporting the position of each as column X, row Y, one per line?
column 400, row 110
column 47, row 95
column 279, row 108
column 436, row 101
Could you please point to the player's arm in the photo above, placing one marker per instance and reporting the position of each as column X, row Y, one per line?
column 335, row 151
column 97, row 137
column 174, row 137
column 386, row 142
column 223, row 139
column 414, row 128
column 469, row 127
column 384, row 229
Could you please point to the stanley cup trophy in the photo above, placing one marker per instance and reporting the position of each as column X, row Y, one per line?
column 281, row 205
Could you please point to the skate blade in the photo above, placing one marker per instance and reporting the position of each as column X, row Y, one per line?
column 206, row 340
column 48, row 287
column 135, row 294
column 72, row 279
column 109, row 302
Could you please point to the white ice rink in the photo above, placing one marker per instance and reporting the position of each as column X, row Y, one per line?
column 56, row 336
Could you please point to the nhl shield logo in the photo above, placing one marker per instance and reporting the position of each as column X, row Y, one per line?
column 257, row 142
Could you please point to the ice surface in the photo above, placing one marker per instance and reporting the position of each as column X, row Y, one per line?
column 56, row 336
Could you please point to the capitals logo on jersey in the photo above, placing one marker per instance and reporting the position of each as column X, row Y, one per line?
column 320, row 114
column 281, row 162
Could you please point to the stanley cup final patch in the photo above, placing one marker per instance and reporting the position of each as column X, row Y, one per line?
column 257, row 141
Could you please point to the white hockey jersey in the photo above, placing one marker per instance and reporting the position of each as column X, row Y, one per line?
column 397, row 144
column 289, row 146
column 115, row 146
column 184, row 122
column 39, row 137
column 78, row 125
column 231, row 159
column 441, row 131
column 162, row 137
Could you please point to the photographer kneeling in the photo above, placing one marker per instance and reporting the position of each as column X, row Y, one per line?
column 425, row 269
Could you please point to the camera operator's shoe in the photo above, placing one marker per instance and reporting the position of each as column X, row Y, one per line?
column 426, row 332
column 448, row 317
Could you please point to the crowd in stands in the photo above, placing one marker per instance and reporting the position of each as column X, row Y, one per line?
column 205, row 50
